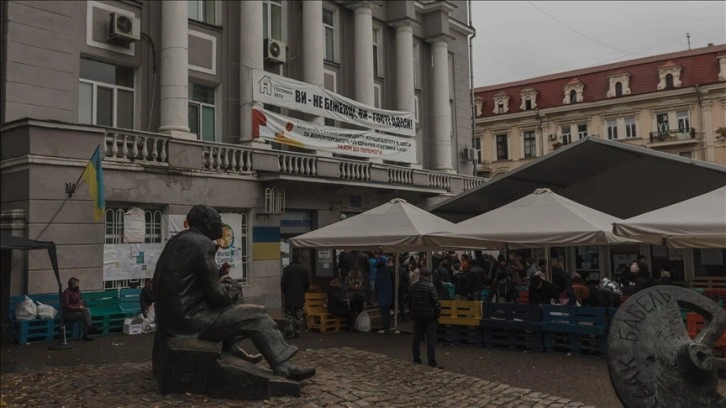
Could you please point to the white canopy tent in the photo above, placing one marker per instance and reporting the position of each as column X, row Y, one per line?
column 395, row 226
column 699, row 222
column 540, row 219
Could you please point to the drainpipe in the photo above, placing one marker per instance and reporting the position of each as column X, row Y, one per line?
column 471, row 85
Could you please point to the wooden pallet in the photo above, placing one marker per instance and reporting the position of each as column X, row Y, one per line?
column 511, row 325
column 460, row 312
column 708, row 282
column 583, row 329
column 458, row 334
column 317, row 316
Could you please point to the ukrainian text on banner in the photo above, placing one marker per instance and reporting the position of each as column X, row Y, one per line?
column 289, row 93
column 295, row 132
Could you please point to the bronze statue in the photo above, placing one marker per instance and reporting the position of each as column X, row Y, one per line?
column 191, row 300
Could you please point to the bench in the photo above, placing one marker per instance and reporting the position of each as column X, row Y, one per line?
column 708, row 282
column 38, row 330
column 512, row 325
column 459, row 322
column 129, row 300
column 106, row 313
column 694, row 324
column 317, row 316
column 579, row 329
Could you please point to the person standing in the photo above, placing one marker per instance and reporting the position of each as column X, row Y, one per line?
column 354, row 288
column 75, row 309
column 294, row 283
column 425, row 310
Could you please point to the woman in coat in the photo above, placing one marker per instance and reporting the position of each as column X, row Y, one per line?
column 384, row 290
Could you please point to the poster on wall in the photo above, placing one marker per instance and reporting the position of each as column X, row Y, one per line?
column 277, row 128
column 129, row 261
column 134, row 225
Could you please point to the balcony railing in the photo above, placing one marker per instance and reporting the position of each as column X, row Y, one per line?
column 672, row 135
column 133, row 147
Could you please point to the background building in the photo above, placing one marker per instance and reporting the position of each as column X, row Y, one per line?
column 166, row 89
column 674, row 103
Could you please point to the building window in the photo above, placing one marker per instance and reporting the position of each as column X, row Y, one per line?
column 612, row 126
column 630, row 128
column 619, row 85
column 202, row 10
column 669, row 81
column 416, row 66
column 377, row 95
column 501, row 103
column 477, row 149
column 530, row 144
column 566, row 134
column 377, row 38
column 527, row 104
column 201, row 112
column 330, row 83
column 329, row 30
column 573, row 96
column 272, row 19
column 274, row 200
column 416, row 109
column 529, row 99
column 115, row 226
column 502, row 147
column 500, row 108
column 618, row 89
column 684, row 123
column 106, row 94
column 573, row 91
column 662, row 124
column 581, row 131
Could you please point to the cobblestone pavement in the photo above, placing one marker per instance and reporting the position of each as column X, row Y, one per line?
column 346, row 377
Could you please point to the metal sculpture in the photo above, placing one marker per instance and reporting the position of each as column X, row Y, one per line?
column 652, row 360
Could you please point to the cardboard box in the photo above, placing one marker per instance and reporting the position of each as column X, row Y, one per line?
column 132, row 326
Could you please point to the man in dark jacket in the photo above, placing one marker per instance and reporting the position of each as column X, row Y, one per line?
column 294, row 283
column 541, row 291
column 191, row 301
column 425, row 310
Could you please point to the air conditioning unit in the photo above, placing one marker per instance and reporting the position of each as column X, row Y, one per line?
column 275, row 51
column 553, row 137
column 468, row 154
column 123, row 28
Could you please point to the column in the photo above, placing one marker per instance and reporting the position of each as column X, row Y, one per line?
column 441, row 116
column 174, row 76
column 251, row 58
column 405, row 94
column 313, row 47
column 363, row 44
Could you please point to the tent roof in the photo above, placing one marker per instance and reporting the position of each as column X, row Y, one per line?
column 8, row 241
column 396, row 225
column 699, row 222
column 542, row 218
column 610, row 176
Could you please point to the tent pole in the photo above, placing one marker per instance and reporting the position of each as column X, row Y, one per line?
column 548, row 272
column 395, row 294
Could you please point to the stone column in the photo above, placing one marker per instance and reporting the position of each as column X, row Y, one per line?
column 313, row 47
column 363, row 44
column 405, row 94
column 441, row 115
column 251, row 58
column 174, row 78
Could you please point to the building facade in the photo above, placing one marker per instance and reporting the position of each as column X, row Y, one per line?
column 167, row 90
column 674, row 103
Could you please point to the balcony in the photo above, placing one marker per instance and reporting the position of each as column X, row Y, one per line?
column 133, row 149
column 676, row 135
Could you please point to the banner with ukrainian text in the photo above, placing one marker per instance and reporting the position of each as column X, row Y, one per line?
column 93, row 176
column 277, row 128
column 316, row 100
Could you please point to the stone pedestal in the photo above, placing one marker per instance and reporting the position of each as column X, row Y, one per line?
column 189, row 365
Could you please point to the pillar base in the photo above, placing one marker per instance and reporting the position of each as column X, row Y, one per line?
column 179, row 134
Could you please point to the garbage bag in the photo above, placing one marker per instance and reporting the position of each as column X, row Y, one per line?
column 363, row 322
column 26, row 310
column 46, row 311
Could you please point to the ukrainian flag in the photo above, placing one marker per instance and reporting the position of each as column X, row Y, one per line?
column 93, row 175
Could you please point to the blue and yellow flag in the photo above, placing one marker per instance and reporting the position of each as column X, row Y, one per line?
column 93, row 175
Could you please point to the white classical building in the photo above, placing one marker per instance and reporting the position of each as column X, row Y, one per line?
column 355, row 103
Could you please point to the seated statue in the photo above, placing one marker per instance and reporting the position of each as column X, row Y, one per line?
column 191, row 300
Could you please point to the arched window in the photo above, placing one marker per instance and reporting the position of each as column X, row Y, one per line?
column 528, row 104
column 573, row 96
column 669, row 81
column 618, row 89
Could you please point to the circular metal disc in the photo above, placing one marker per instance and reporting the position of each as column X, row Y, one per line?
column 651, row 359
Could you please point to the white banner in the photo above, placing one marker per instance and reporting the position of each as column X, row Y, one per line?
column 289, row 93
column 295, row 132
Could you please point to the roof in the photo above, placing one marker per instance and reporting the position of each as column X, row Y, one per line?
column 699, row 67
column 610, row 176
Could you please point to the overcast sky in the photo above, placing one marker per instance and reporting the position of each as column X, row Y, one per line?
column 522, row 39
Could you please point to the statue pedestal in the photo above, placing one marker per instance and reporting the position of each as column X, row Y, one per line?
column 189, row 365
